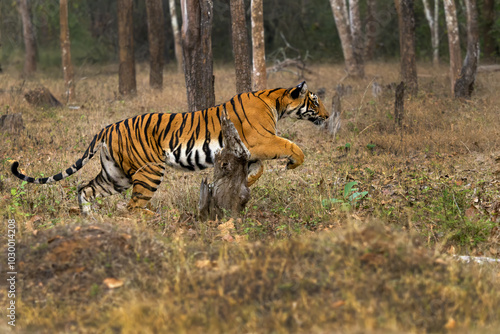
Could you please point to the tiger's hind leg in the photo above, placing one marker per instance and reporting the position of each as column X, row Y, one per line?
column 111, row 180
column 145, row 182
column 255, row 171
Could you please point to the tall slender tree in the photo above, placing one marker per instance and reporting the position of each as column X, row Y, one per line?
column 406, row 16
column 348, row 24
column 371, row 30
column 30, row 48
column 465, row 83
column 126, row 73
column 489, row 22
column 156, row 39
column 66, row 51
column 240, row 47
column 453, row 41
column 259, row 76
column 197, row 50
column 177, row 34
column 432, row 17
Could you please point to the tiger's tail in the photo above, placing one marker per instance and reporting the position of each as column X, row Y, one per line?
column 89, row 153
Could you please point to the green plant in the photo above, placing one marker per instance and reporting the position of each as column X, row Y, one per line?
column 17, row 197
column 351, row 197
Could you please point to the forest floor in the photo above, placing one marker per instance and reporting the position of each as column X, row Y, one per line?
column 313, row 252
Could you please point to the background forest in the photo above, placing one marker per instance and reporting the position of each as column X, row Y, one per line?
column 307, row 25
column 391, row 225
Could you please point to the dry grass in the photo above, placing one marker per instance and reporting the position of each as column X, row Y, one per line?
column 302, row 258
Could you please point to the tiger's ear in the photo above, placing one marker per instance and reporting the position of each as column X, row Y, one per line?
column 300, row 90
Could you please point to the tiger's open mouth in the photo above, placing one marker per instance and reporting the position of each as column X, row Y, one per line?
column 320, row 121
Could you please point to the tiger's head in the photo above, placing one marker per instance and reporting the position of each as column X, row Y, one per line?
column 304, row 104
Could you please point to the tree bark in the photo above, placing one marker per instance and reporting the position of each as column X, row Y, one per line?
column 432, row 19
column 488, row 33
column 177, row 34
column 11, row 123
column 126, row 72
column 465, row 83
column 240, row 47
column 229, row 191
column 259, row 76
column 197, row 50
column 66, row 51
column 371, row 30
column 453, row 41
column 156, row 40
column 349, row 29
column 357, row 38
column 29, row 38
column 407, row 44
column 399, row 104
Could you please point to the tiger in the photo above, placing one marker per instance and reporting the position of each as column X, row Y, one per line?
column 135, row 152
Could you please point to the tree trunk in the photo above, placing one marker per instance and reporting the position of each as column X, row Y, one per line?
column 371, row 30
column 156, row 40
column 465, row 83
column 399, row 104
column 126, row 72
column 29, row 38
column 259, row 76
column 357, row 38
column 66, row 51
column 197, row 49
column 350, row 44
column 407, row 44
column 432, row 19
column 177, row 34
column 453, row 41
column 240, row 47
column 488, row 33
column 229, row 191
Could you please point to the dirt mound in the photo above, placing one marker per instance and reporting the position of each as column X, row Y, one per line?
column 74, row 262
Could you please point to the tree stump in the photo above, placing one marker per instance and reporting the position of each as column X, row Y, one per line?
column 228, row 193
column 333, row 123
column 42, row 97
column 11, row 123
column 399, row 104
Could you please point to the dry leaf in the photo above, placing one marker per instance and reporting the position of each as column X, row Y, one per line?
column 472, row 211
column 450, row 324
column 228, row 238
column 206, row 264
column 34, row 219
column 239, row 238
column 355, row 216
column 451, row 250
column 113, row 283
column 338, row 304
column 54, row 238
column 226, row 227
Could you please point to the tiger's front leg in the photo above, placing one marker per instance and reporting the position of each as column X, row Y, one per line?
column 278, row 148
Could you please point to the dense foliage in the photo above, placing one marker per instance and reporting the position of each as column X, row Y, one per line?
column 307, row 25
